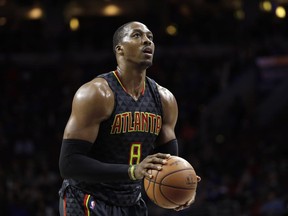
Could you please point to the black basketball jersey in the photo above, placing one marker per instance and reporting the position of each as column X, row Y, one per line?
column 127, row 137
column 129, row 134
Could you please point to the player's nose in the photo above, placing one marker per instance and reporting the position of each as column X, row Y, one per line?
column 147, row 41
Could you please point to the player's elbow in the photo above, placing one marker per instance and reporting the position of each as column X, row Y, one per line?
column 71, row 161
column 64, row 168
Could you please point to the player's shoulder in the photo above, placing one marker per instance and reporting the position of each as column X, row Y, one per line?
column 95, row 90
column 165, row 94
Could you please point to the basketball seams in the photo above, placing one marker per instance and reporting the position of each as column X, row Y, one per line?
column 163, row 178
column 181, row 188
column 171, row 188
column 167, row 199
column 176, row 187
column 154, row 185
column 149, row 183
column 171, row 173
column 178, row 171
column 150, row 180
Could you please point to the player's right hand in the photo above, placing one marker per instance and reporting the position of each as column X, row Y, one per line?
column 190, row 202
column 151, row 162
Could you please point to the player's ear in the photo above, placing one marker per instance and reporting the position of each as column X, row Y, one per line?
column 119, row 49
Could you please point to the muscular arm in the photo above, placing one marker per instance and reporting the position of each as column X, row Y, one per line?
column 167, row 142
column 92, row 104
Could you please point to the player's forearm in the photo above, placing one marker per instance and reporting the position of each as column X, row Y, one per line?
column 74, row 163
column 170, row 147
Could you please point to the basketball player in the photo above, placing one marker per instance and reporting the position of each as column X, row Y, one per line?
column 121, row 124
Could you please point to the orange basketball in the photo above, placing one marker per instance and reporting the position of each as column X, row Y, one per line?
column 172, row 186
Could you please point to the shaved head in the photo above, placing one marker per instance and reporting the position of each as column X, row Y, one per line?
column 119, row 34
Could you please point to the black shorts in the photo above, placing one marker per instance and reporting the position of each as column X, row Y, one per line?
column 77, row 203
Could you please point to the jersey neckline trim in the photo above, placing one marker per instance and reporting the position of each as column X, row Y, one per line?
column 116, row 74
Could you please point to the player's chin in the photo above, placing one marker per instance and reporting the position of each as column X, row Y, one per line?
column 147, row 63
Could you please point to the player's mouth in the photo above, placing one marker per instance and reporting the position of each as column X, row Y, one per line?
column 148, row 50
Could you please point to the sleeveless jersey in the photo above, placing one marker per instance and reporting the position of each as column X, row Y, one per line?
column 127, row 137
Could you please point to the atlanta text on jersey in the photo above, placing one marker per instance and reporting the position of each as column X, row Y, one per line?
column 136, row 122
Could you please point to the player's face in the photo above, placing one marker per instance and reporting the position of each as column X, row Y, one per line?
column 137, row 44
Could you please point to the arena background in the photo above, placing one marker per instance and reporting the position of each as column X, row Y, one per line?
column 225, row 61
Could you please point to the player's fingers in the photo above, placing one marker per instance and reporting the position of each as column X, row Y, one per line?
column 154, row 160
column 148, row 175
column 162, row 155
column 159, row 155
column 179, row 208
column 191, row 201
column 141, row 171
column 152, row 166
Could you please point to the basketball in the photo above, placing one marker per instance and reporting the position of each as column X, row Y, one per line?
column 172, row 186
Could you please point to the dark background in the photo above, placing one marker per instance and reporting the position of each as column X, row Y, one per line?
column 228, row 74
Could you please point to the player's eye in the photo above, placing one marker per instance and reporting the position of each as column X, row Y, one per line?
column 136, row 35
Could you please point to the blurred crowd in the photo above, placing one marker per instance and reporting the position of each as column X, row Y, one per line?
column 243, row 164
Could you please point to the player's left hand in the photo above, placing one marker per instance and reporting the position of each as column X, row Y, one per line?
column 186, row 205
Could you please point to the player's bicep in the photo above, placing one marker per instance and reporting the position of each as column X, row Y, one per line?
column 170, row 116
column 80, row 128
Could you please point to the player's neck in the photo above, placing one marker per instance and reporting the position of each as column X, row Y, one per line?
column 131, row 71
column 133, row 81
